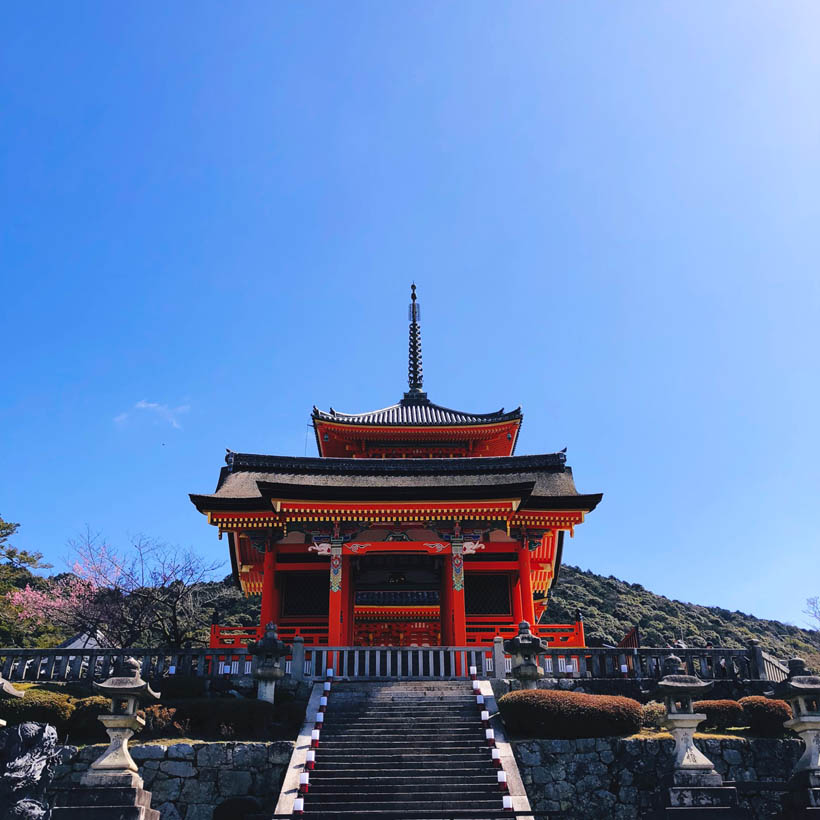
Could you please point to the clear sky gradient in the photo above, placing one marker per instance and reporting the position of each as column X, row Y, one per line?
column 211, row 214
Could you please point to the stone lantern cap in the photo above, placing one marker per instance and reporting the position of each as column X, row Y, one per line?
column 269, row 644
column 799, row 683
column 675, row 683
column 7, row 690
column 126, row 681
column 525, row 642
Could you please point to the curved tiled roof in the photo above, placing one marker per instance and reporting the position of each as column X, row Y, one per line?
column 413, row 413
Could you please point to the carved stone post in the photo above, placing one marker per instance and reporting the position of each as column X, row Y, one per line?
column 499, row 658
column 802, row 690
column 297, row 663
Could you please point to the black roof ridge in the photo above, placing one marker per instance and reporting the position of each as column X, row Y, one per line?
column 253, row 462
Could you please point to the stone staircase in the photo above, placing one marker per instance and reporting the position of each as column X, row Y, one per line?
column 410, row 749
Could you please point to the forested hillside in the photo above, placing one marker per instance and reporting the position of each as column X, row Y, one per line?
column 611, row 607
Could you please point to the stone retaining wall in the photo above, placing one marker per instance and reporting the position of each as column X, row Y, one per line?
column 619, row 778
column 188, row 780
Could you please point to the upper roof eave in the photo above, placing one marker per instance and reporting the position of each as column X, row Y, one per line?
column 415, row 414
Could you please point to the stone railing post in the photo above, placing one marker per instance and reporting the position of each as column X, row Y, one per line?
column 297, row 662
column 757, row 666
column 498, row 657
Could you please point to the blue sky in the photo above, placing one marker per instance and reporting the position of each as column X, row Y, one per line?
column 210, row 215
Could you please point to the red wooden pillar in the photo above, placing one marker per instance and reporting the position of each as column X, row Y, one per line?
column 446, row 601
column 334, row 625
column 459, row 635
column 270, row 607
column 518, row 613
column 524, row 571
column 347, row 603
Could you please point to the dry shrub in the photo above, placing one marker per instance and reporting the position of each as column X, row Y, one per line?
column 720, row 714
column 652, row 715
column 765, row 716
column 558, row 714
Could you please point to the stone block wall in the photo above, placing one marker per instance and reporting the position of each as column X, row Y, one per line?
column 620, row 778
column 188, row 780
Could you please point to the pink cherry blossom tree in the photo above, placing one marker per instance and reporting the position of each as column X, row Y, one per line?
column 144, row 595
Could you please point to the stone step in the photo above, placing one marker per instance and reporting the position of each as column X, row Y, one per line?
column 104, row 813
column 388, row 760
column 404, row 808
column 103, row 796
column 383, row 786
column 400, row 778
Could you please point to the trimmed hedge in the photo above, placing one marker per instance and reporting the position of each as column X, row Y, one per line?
column 83, row 724
column 765, row 716
column 720, row 714
column 551, row 713
column 40, row 706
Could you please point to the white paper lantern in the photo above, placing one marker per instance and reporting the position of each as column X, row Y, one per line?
column 507, row 802
column 298, row 806
column 502, row 781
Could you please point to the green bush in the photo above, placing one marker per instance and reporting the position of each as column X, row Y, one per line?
column 765, row 716
column 83, row 724
column 720, row 714
column 40, row 706
column 239, row 717
column 558, row 714
column 652, row 715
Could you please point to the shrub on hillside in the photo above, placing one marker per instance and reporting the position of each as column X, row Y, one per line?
column 652, row 715
column 720, row 714
column 246, row 717
column 40, row 706
column 559, row 714
column 83, row 724
column 764, row 716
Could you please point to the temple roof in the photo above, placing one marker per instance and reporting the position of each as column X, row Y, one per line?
column 412, row 412
column 249, row 480
column 410, row 426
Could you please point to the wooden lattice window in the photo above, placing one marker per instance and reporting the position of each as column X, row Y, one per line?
column 486, row 594
column 305, row 594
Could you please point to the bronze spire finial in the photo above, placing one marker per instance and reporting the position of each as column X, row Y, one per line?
column 414, row 371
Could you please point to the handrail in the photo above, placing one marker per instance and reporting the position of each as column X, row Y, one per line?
column 311, row 662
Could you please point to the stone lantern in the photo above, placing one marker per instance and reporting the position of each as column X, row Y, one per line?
column 694, row 781
column 116, row 767
column 524, row 648
column 8, row 691
column 802, row 690
column 269, row 652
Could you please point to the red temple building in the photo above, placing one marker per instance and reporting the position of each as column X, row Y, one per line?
column 416, row 525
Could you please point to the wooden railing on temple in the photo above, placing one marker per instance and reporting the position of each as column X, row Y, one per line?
column 311, row 663
column 478, row 633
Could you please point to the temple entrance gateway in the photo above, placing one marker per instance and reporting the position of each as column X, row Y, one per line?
column 396, row 599
column 416, row 526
